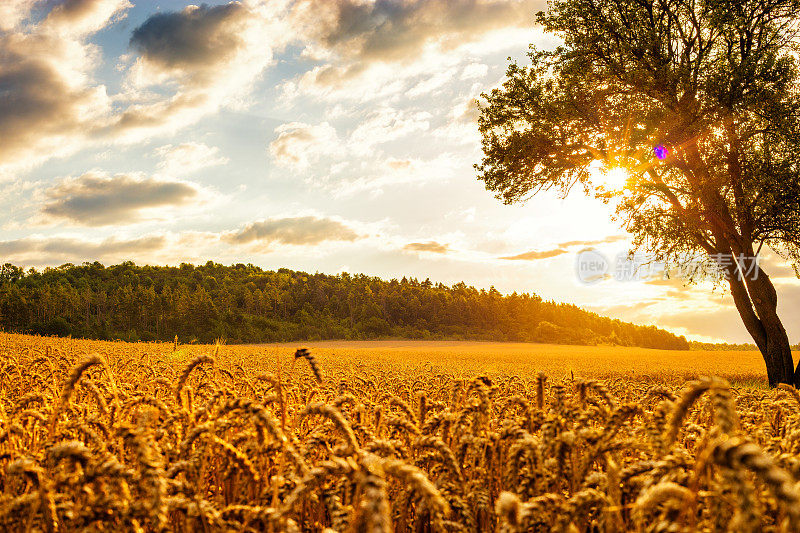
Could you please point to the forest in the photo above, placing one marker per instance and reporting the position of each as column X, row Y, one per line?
column 245, row 304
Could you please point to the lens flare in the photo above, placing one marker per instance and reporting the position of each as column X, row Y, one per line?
column 661, row 152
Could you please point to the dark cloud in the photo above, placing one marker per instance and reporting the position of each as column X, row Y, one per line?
column 49, row 101
column 306, row 230
column 195, row 36
column 202, row 58
column 430, row 246
column 97, row 200
column 59, row 250
column 36, row 100
column 392, row 30
column 71, row 9
column 534, row 255
column 83, row 15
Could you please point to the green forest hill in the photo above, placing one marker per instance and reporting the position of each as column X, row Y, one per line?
column 245, row 304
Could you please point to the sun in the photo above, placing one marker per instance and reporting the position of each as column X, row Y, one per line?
column 608, row 178
column 613, row 178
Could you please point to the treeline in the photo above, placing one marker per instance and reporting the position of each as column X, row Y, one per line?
column 243, row 303
column 729, row 347
column 723, row 346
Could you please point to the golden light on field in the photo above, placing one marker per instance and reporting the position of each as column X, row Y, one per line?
column 381, row 437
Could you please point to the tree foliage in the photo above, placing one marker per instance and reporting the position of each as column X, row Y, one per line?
column 713, row 81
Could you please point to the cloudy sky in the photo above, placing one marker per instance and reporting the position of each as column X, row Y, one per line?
column 322, row 135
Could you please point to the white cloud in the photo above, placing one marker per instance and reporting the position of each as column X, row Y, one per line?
column 474, row 70
column 188, row 157
column 12, row 12
column 84, row 17
column 462, row 120
column 385, row 173
column 430, row 84
column 387, row 124
column 299, row 144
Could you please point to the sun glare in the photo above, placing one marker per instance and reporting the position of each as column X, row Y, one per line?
column 612, row 178
column 617, row 177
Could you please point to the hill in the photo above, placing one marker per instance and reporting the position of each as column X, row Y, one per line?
column 245, row 304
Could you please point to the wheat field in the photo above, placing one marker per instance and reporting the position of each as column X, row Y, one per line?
column 466, row 359
column 378, row 437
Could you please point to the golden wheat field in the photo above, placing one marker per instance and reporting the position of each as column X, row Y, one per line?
column 466, row 359
column 378, row 437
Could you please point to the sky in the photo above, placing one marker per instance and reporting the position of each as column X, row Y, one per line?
column 317, row 135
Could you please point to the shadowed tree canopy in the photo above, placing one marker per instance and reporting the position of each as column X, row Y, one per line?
column 715, row 83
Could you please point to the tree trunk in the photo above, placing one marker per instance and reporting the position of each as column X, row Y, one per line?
column 777, row 351
column 756, row 300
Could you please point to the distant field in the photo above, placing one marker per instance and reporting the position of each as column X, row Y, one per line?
column 466, row 359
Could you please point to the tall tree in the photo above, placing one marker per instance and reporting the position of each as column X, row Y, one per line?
column 698, row 100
